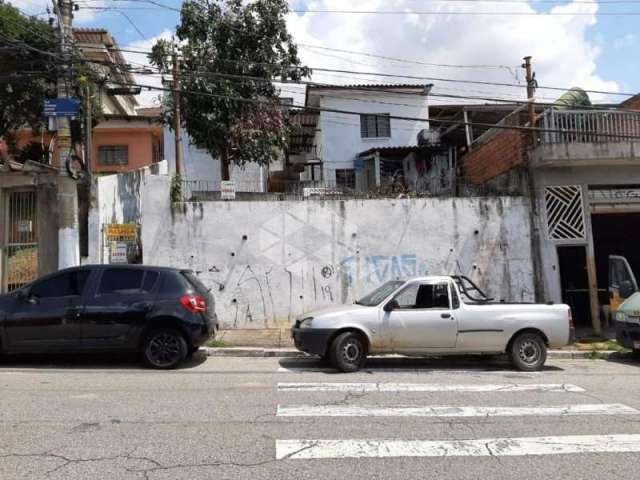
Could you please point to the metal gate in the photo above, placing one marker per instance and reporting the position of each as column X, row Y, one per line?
column 20, row 251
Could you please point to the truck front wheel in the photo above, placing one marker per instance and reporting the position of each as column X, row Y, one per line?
column 347, row 352
column 528, row 352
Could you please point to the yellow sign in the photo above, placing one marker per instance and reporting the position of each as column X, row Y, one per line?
column 121, row 231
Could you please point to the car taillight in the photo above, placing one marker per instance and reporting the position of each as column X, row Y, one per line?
column 194, row 303
column 572, row 324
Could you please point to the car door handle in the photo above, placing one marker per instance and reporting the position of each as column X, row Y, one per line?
column 73, row 312
column 141, row 307
column 445, row 315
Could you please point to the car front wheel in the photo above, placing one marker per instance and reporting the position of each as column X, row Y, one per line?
column 348, row 352
column 164, row 349
column 528, row 352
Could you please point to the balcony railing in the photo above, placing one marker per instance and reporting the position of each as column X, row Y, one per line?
column 587, row 126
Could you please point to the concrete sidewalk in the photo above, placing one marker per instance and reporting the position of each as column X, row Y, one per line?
column 292, row 352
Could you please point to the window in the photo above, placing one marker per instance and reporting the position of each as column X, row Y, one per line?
column 375, row 126
column 424, row 296
column 150, row 279
column 346, row 177
column 113, row 155
column 174, row 283
column 64, row 285
column 121, row 281
column 380, row 293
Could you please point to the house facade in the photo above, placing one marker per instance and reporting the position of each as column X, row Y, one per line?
column 585, row 164
column 351, row 136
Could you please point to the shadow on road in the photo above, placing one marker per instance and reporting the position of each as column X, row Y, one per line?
column 473, row 363
column 102, row 361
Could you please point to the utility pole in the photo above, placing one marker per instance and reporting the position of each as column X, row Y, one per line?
column 176, row 114
column 68, row 232
column 88, row 141
column 534, row 217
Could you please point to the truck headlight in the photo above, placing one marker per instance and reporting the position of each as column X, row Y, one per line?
column 621, row 317
column 306, row 322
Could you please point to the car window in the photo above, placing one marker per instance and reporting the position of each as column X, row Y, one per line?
column 174, row 283
column 64, row 285
column 380, row 293
column 423, row 296
column 121, row 281
column 150, row 280
column 455, row 299
column 407, row 297
column 196, row 282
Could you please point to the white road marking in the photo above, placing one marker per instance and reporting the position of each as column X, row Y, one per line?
column 494, row 447
column 425, row 387
column 432, row 371
column 451, row 411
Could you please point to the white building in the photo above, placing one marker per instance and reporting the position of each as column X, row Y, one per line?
column 346, row 130
column 203, row 170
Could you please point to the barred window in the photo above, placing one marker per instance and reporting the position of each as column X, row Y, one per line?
column 346, row 177
column 113, row 155
column 375, row 126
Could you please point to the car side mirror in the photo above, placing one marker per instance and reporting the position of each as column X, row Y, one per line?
column 391, row 305
column 22, row 296
column 626, row 289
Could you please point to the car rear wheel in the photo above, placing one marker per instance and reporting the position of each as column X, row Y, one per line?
column 164, row 349
column 348, row 352
column 528, row 352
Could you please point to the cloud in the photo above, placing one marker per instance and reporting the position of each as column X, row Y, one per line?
column 561, row 53
column 140, row 60
column 627, row 41
column 37, row 7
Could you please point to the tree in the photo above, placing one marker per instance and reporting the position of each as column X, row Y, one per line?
column 220, row 43
column 28, row 70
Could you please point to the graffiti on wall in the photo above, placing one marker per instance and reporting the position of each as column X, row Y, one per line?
column 377, row 269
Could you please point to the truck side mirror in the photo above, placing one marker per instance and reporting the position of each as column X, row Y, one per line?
column 391, row 305
column 626, row 289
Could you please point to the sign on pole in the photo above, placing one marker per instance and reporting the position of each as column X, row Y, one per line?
column 61, row 107
column 118, row 253
column 228, row 190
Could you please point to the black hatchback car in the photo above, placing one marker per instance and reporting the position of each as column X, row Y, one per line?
column 163, row 313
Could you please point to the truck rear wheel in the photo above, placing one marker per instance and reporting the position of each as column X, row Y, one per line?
column 528, row 352
column 348, row 352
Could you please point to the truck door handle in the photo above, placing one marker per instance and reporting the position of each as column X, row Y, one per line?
column 445, row 315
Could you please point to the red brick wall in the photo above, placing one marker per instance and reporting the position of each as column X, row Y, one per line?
column 501, row 153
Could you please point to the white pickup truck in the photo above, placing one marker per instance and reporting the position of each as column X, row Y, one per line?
column 433, row 316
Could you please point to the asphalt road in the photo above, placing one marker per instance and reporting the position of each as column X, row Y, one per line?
column 237, row 418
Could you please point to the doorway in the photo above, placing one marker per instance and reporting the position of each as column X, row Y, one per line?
column 574, row 282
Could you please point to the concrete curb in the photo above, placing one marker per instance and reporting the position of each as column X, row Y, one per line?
column 293, row 353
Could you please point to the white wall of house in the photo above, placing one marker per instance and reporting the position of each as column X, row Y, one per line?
column 339, row 138
column 200, row 165
column 269, row 261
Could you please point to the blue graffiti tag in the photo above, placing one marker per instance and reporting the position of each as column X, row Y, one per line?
column 382, row 268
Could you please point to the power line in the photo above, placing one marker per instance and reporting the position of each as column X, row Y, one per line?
column 436, row 12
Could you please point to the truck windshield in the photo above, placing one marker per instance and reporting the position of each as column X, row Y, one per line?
column 380, row 293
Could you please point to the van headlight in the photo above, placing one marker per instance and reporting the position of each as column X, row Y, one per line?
column 306, row 322
column 621, row 317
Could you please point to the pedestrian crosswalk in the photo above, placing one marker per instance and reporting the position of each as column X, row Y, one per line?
column 356, row 406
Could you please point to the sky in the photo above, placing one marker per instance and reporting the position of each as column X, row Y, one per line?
column 577, row 43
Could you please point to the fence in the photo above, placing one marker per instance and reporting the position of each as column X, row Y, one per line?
column 585, row 126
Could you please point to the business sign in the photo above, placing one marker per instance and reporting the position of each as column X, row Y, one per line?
column 118, row 252
column 228, row 190
column 121, row 232
column 61, row 107
column 614, row 195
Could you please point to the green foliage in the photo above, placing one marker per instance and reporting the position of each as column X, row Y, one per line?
column 219, row 42
column 176, row 189
column 28, row 72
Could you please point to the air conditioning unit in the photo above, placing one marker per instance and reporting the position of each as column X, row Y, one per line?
column 428, row 137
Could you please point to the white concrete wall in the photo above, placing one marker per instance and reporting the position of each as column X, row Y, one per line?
column 199, row 165
column 340, row 141
column 301, row 255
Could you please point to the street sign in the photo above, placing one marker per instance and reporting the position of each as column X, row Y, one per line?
column 61, row 107
column 121, row 232
column 118, row 253
column 228, row 190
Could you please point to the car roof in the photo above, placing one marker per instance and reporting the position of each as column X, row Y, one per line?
column 122, row 266
column 430, row 278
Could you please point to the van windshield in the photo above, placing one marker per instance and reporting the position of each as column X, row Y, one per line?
column 379, row 294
